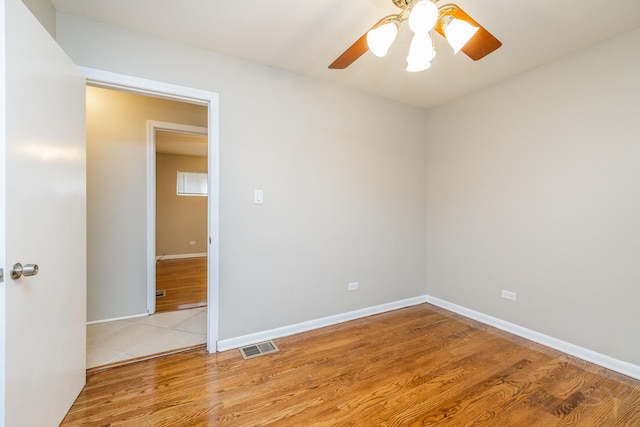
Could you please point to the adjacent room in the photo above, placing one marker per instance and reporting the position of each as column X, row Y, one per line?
column 402, row 227
column 158, row 225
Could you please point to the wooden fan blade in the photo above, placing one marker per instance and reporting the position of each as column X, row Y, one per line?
column 349, row 56
column 357, row 49
column 481, row 44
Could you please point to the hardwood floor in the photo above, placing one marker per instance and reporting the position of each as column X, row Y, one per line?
column 418, row 366
column 184, row 281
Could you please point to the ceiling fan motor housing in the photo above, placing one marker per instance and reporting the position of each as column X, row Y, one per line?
column 402, row 4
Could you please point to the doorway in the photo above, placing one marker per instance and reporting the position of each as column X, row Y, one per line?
column 181, row 163
column 124, row 269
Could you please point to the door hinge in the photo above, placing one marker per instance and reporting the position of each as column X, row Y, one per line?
column 1, row 275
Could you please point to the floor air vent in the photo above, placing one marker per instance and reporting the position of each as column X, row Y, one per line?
column 259, row 349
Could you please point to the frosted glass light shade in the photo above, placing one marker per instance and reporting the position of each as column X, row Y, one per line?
column 423, row 16
column 381, row 38
column 458, row 33
column 420, row 53
column 416, row 66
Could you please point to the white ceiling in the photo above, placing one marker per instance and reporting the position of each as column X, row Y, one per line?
column 306, row 36
column 181, row 143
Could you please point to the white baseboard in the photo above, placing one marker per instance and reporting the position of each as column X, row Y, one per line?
column 285, row 331
column 133, row 316
column 608, row 362
column 180, row 256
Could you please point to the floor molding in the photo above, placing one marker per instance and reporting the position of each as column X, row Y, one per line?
column 603, row 360
column 180, row 256
column 297, row 328
column 133, row 316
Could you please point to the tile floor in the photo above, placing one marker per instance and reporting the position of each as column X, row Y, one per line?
column 119, row 340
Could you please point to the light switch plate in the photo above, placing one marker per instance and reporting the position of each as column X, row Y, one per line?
column 258, row 197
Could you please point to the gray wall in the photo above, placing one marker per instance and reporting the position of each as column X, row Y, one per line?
column 342, row 172
column 533, row 187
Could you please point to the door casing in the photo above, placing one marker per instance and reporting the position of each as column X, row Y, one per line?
column 146, row 87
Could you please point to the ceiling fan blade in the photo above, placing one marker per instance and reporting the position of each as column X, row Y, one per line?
column 481, row 44
column 349, row 56
column 357, row 49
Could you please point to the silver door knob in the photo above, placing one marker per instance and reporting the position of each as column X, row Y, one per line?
column 18, row 270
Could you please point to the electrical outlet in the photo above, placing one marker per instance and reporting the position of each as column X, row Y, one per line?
column 353, row 286
column 509, row 295
column 192, row 242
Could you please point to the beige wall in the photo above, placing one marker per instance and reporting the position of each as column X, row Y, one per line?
column 179, row 219
column 532, row 187
column 342, row 173
column 117, row 196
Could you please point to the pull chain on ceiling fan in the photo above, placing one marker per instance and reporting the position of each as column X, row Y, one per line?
column 460, row 30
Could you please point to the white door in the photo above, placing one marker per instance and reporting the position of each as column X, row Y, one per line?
column 42, row 221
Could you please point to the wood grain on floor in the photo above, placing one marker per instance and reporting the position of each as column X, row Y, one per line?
column 184, row 282
column 417, row 366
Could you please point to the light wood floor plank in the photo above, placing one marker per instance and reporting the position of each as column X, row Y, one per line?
column 184, row 281
column 417, row 366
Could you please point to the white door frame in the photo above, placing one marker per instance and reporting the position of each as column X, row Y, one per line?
column 195, row 96
column 152, row 127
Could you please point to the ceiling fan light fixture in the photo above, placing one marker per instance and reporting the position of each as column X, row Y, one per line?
column 380, row 38
column 461, row 31
column 423, row 16
column 457, row 32
column 421, row 53
column 415, row 67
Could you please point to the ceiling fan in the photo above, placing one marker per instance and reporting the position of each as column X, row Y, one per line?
column 450, row 21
